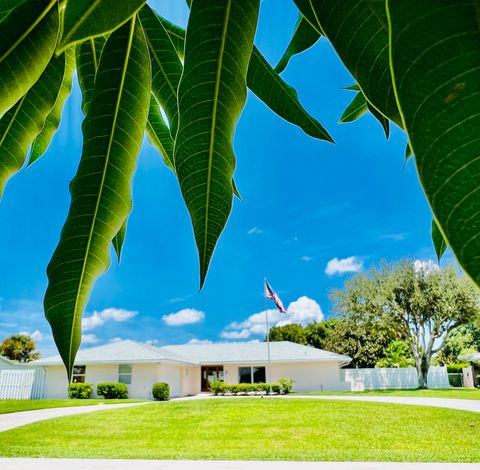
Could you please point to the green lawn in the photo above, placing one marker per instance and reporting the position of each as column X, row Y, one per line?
column 255, row 428
column 466, row 393
column 11, row 406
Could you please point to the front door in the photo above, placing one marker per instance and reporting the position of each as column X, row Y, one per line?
column 209, row 374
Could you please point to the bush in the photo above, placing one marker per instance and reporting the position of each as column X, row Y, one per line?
column 161, row 391
column 456, row 368
column 217, row 386
column 79, row 391
column 286, row 384
column 112, row 390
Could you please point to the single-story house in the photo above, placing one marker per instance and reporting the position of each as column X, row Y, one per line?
column 473, row 357
column 188, row 368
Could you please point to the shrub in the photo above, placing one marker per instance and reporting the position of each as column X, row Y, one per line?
column 161, row 391
column 112, row 390
column 276, row 388
column 79, row 391
column 217, row 386
column 456, row 368
column 286, row 384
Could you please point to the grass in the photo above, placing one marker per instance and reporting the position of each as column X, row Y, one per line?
column 256, row 429
column 12, row 406
column 465, row 393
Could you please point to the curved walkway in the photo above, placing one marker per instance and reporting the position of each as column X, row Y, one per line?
column 21, row 418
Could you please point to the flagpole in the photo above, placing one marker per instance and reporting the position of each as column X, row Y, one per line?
column 268, row 336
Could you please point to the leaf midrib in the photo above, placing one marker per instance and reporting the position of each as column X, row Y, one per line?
column 29, row 30
column 115, row 116
column 80, row 21
column 213, row 126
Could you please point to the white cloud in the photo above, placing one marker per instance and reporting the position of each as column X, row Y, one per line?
column 344, row 265
column 255, row 230
column 89, row 339
column 109, row 314
column 200, row 341
column 36, row 335
column 425, row 266
column 116, row 339
column 396, row 237
column 186, row 316
column 303, row 310
column 306, row 258
column 176, row 300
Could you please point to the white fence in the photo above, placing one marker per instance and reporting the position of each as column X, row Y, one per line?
column 23, row 384
column 386, row 378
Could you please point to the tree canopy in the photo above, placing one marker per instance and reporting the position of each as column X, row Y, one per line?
column 416, row 65
column 19, row 348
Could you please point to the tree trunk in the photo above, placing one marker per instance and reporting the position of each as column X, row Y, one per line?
column 422, row 364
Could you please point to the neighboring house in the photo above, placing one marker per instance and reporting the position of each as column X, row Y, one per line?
column 8, row 364
column 188, row 368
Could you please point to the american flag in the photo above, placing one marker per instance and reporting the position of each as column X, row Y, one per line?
column 271, row 294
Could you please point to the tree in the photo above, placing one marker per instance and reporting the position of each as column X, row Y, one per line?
column 397, row 354
column 293, row 332
column 462, row 340
column 199, row 78
column 19, row 348
column 418, row 301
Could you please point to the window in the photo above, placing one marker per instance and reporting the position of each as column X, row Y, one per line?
column 251, row 375
column 125, row 373
column 78, row 376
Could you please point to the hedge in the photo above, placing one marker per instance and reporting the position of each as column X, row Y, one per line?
column 112, row 390
column 79, row 391
column 456, row 368
column 161, row 391
column 283, row 386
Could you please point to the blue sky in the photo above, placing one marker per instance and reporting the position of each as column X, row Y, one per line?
column 309, row 211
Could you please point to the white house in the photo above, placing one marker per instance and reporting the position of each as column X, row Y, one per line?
column 188, row 368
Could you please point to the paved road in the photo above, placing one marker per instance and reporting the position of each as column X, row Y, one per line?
column 21, row 418
column 101, row 464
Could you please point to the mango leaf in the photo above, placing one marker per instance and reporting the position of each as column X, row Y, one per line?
column 280, row 97
column 356, row 109
column 42, row 141
column 113, row 131
column 21, row 124
column 358, row 32
column 88, row 57
column 211, row 96
column 439, row 105
column 159, row 134
column 7, row 5
column 304, row 37
column 384, row 122
column 438, row 240
column 29, row 34
column 176, row 34
column 166, row 66
column 85, row 19
column 119, row 239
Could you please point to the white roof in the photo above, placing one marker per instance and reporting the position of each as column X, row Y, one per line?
column 243, row 352
column 474, row 357
column 195, row 354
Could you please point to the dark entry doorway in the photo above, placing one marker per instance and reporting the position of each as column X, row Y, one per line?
column 209, row 374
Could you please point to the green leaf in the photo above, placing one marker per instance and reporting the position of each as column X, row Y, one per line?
column 356, row 109
column 166, row 66
column 88, row 57
column 159, row 134
column 176, row 34
column 408, row 151
column 42, row 141
column 357, row 31
column 211, row 96
column 435, row 57
column 280, row 97
column 384, row 122
column 7, row 5
column 29, row 34
column 113, row 131
column 22, row 123
column 85, row 19
column 304, row 37
column 438, row 240
column 118, row 240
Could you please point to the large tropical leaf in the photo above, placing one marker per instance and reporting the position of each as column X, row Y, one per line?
column 358, row 32
column 176, row 34
column 42, row 141
column 280, row 97
column 211, row 95
column 304, row 37
column 435, row 57
column 166, row 66
column 88, row 57
column 22, row 123
column 101, row 190
column 28, row 36
column 84, row 19
column 159, row 134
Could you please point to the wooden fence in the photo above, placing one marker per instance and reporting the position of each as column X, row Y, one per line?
column 23, row 384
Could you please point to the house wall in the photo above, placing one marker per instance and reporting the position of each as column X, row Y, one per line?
column 191, row 377
column 172, row 375
column 57, row 382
